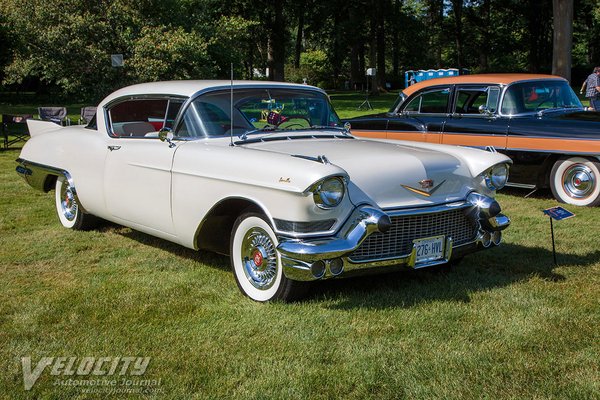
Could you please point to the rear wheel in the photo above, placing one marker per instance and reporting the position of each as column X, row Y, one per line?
column 256, row 263
column 69, row 212
column 575, row 181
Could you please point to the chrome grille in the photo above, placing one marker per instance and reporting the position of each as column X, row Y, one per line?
column 398, row 241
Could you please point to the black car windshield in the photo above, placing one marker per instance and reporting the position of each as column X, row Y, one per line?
column 536, row 96
column 256, row 110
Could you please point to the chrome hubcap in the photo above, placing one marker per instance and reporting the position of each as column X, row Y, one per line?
column 259, row 258
column 68, row 204
column 579, row 181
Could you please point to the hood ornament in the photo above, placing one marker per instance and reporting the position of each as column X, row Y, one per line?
column 427, row 187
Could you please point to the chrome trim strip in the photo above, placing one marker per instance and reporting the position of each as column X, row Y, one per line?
column 428, row 209
column 35, row 175
column 521, row 185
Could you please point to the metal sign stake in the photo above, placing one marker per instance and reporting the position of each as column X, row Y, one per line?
column 557, row 213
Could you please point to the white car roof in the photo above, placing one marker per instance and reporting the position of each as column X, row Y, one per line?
column 188, row 88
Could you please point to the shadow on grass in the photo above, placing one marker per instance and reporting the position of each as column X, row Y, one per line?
column 483, row 271
column 543, row 193
column 204, row 257
column 486, row 270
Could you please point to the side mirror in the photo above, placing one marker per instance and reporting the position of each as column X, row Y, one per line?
column 166, row 135
column 485, row 111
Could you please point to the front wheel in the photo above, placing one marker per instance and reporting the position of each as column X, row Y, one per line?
column 69, row 211
column 256, row 263
column 575, row 181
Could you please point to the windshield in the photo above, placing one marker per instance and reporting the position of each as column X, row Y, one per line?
column 256, row 110
column 536, row 96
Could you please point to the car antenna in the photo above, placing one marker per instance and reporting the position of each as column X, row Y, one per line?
column 231, row 110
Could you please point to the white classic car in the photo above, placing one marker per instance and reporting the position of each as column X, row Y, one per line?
column 264, row 172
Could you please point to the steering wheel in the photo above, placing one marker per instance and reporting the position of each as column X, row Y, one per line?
column 288, row 122
column 542, row 102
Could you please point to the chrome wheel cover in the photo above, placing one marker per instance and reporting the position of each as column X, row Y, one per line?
column 259, row 258
column 68, row 205
column 579, row 181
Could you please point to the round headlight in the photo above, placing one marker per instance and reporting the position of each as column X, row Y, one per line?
column 497, row 176
column 329, row 193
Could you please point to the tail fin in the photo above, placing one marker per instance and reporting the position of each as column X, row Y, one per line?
column 37, row 127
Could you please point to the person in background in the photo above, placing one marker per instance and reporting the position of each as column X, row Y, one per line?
column 592, row 83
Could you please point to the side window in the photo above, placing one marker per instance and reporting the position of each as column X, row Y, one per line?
column 432, row 102
column 469, row 99
column 137, row 118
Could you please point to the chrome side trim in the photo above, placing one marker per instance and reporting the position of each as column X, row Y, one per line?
column 36, row 174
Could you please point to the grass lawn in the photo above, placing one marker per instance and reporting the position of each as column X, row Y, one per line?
column 504, row 324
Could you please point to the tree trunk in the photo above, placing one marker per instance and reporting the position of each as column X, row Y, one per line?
column 396, row 39
column 563, row 37
column 299, row 34
column 381, row 80
column 485, row 33
column 276, row 45
column 457, row 8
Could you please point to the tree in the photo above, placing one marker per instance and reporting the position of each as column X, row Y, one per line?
column 563, row 37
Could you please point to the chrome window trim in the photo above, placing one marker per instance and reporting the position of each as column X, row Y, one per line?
column 106, row 108
column 482, row 87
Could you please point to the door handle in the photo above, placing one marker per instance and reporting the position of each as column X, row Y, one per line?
column 111, row 148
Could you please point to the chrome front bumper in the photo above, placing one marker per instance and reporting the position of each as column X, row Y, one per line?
column 313, row 259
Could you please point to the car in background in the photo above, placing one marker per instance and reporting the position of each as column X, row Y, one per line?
column 266, row 173
column 537, row 120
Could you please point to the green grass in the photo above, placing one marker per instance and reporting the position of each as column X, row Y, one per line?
column 504, row 324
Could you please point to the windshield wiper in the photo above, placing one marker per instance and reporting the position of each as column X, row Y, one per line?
column 266, row 128
column 545, row 110
column 344, row 130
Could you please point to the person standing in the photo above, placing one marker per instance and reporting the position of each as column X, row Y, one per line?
column 592, row 83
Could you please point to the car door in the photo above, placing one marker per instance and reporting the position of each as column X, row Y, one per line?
column 475, row 120
column 422, row 118
column 137, row 176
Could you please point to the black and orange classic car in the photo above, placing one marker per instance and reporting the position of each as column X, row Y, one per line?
column 537, row 120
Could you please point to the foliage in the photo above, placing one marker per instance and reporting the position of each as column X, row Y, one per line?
column 314, row 67
column 162, row 54
column 66, row 44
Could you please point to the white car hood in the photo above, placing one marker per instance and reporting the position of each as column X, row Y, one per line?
column 379, row 170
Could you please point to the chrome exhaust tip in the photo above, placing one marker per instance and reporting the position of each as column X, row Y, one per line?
column 317, row 269
column 486, row 239
column 336, row 266
column 497, row 238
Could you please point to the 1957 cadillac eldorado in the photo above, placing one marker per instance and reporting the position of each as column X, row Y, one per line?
column 264, row 172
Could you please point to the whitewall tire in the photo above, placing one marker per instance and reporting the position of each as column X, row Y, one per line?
column 576, row 181
column 70, row 213
column 256, row 263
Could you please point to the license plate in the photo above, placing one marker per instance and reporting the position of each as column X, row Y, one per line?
column 429, row 249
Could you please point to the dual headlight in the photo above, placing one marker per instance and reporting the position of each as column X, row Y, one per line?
column 329, row 192
column 496, row 177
